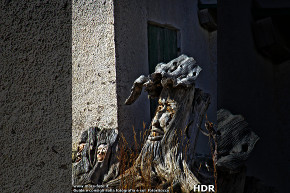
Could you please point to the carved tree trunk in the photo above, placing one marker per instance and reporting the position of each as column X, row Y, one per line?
column 167, row 159
column 167, row 155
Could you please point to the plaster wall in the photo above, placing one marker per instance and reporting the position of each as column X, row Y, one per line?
column 94, row 99
column 35, row 96
column 131, row 17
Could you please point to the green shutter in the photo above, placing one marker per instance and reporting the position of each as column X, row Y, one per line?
column 169, row 44
column 162, row 47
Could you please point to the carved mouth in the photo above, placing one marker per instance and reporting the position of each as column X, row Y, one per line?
column 101, row 156
column 156, row 134
column 101, row 153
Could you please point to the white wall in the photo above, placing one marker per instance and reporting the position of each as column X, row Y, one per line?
column 94, row 99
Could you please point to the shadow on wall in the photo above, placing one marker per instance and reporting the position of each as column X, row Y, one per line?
column 253, row 80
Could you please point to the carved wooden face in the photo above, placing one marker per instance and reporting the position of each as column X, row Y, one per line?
column 102, row 151
column 162, row 119
column 80, row 149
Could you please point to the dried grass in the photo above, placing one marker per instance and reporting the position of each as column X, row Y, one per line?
column 128, row 156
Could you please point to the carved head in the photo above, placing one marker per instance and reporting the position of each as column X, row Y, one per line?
column 162, row 119
column 101, row 152
column 173, row 84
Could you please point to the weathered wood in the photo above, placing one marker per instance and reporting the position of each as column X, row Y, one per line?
column 163, row 159
column 167, row 159
column 235, row 140
column 96, row 161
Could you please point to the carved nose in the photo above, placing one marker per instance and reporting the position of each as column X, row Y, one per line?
column 156, row 124
column 164, row 119
column 159, row 114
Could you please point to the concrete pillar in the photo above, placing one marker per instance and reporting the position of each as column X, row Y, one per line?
column 94, row 99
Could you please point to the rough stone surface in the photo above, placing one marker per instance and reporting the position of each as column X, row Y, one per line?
column 93, row 66
column 35, row 95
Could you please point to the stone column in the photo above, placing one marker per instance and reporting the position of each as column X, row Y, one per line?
column 94, row 100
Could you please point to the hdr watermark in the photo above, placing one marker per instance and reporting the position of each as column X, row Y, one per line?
column 203, row 188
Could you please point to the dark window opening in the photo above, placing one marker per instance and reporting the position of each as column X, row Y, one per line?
column 162, row 47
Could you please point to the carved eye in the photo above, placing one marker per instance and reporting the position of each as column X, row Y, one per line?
column 160, row 107
column 170, row 110
column 81, row 147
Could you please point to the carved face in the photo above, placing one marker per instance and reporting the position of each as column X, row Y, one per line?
column 80, row 149
column 102, row 151
column 163, row 117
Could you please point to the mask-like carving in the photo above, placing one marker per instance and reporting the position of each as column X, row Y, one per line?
column 102, row 151
column 96, row 159
column 173, row 83
column 163, row 117
column 80, row 149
